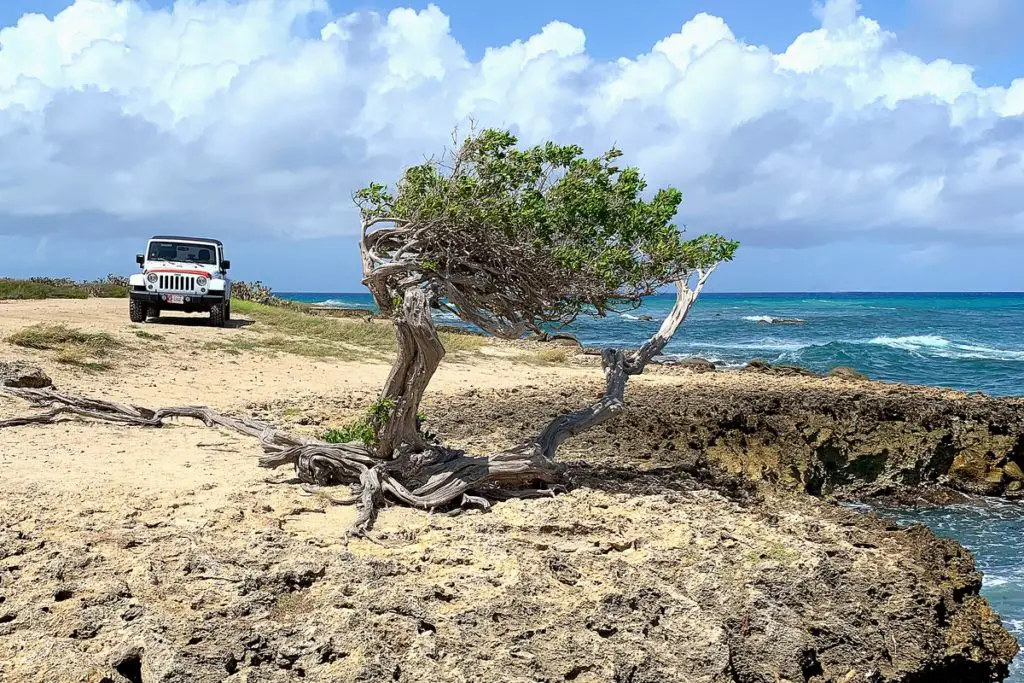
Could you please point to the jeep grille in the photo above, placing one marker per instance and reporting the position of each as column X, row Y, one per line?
column 177, row 283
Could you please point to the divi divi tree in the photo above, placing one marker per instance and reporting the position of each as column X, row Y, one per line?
column 511, row 240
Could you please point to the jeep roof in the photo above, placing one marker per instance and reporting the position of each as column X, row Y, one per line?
column 187, row 239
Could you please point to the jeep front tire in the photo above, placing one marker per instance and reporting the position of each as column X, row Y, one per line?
column 137, row 311
column 217, row 315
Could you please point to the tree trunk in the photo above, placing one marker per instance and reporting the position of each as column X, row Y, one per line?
column 419, row 353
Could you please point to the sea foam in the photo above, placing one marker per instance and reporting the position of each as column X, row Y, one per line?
column 934, row 345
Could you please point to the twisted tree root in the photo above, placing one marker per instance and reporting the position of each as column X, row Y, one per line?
column 432, row 480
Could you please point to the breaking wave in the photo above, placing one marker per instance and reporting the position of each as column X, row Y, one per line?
column 338, row 303
column 933, row 345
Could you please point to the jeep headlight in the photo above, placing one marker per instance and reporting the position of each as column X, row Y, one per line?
column 201, row 281
column 152, row 277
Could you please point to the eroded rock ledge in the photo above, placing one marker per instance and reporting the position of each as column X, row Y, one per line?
column 827, row 436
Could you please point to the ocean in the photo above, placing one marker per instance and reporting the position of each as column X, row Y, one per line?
column 972, row 342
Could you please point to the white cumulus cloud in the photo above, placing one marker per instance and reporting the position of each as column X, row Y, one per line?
column 219, row 115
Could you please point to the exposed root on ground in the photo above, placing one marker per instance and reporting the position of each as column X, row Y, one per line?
column 437, row 479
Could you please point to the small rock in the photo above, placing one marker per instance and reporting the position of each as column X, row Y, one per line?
column 132, row 613
column 783, row 370
column 782, row 321
column 563, row 341
column 23, row 375
column 698, row 365
column 994, row 476
column 847, row 373
column 1013, row 471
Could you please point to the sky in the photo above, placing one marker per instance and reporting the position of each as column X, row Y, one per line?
column 871, row 146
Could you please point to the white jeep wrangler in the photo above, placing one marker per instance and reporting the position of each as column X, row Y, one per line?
column 181, row 274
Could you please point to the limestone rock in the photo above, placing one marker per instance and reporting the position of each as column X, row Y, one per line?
column 848, row 374
column 23, row 375
column 780, row 369
column 698, row 365
column 1013, row 471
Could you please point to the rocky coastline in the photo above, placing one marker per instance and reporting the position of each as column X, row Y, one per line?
column 840, row 436
column 697, row 540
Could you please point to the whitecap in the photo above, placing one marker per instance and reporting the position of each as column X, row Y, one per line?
column 341, row 303
column 941, row 347
column 913, row 342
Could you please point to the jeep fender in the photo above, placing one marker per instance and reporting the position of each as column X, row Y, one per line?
column 137, row 280
column 217, row 285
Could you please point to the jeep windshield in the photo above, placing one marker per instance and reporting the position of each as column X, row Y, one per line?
column 190, row 252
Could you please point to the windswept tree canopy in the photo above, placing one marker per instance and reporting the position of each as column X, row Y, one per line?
column 515, row 238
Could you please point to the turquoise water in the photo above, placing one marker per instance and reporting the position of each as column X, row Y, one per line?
column 972, row 342
column 992, row 530
column 963, row 341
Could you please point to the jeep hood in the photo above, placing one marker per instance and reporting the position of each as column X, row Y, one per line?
column 185, row 266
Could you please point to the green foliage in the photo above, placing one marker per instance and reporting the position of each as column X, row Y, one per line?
column 113, row 286
column 533, row 235
column 358, row 431
column 379, row 412
column 363, row 429
column 259, row 293
column 421, row 420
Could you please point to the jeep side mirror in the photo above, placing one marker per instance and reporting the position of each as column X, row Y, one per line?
column 140, row 259
column 225, row 264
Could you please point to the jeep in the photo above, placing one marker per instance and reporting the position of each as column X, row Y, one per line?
column 181, row 274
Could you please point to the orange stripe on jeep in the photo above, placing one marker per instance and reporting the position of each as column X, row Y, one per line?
column 174, row 270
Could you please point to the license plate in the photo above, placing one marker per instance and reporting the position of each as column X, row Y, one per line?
column 176, row 299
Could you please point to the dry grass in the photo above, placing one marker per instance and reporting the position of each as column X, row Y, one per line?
column 87, row 350
column 292, row 331
column 551, row 356
column 278, row 343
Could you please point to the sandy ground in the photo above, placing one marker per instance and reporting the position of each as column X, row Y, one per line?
column 83, row 465
column 183, row 372
column 141, row 554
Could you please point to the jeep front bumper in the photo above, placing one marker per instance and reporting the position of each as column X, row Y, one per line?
column 181, row 301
